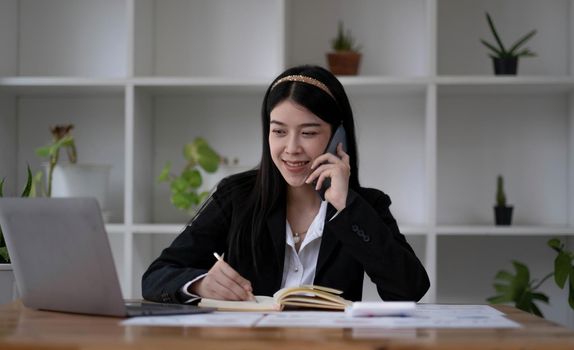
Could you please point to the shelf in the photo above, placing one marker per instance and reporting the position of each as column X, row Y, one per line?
column 168, row 229
column 414, row 230
column 504, row 230
column 168, row 86
column 59, row 86
column 362, row 84
column 116, row 228
column 357, row 84
column 496, row 85
column 385, row 85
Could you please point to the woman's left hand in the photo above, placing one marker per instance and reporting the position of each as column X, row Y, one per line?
column 336, row 168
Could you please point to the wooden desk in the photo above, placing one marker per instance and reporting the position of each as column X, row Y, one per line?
column 22, row 328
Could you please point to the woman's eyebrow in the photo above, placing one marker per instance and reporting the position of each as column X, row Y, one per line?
column 300, row 125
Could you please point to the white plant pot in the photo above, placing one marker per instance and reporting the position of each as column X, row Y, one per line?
column 8, row 289
column 82, row 180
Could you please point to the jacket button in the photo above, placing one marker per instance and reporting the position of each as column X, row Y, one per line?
column 365, row 237
column 355, row 228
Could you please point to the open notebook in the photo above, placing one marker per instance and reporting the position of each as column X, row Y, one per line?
column 313, row 297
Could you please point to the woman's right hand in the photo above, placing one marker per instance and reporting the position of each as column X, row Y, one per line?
column 224, row 283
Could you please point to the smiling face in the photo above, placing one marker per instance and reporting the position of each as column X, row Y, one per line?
column 296, row 138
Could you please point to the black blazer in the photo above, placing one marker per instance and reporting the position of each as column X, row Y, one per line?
column 363, row 237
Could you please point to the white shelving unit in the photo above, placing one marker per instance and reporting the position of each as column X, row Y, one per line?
column 139, row 78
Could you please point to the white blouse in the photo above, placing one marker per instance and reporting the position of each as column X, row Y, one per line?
column 299, row 268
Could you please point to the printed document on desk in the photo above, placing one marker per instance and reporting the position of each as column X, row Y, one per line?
column 429, row 316
column 215, row 319
column 426, row 316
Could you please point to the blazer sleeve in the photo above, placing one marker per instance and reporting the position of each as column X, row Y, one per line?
column 371, row 235
column 190, row 255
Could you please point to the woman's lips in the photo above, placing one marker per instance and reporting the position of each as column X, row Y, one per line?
column 296, row 166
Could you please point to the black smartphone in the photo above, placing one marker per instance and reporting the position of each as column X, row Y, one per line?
column 340, row 136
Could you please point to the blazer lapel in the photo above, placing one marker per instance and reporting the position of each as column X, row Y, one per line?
column 276, row 226
column 328, row 242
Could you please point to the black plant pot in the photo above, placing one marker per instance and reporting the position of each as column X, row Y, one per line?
column 503, row 216
column 505, row 66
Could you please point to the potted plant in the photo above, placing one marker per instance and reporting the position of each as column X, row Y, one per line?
column 185, row 187
column 72, row 179
column 505, row 61
column 8, row 290
column 502, row 212
column 520, row 290
column 345, row 58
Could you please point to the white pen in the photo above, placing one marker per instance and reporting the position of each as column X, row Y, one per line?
column 220, row 258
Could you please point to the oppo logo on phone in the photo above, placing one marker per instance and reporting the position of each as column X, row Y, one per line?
column 340, row 136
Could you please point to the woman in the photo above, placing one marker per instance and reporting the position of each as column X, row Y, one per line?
column 273, row 227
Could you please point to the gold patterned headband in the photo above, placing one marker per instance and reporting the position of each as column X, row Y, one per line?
column 306, row 80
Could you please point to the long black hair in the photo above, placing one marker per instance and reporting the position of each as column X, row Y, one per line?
column 332, row 106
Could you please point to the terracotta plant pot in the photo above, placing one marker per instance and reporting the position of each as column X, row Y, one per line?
column 344, row 63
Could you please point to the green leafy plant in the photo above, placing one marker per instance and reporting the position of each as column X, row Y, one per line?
column 27, row 192
column 344, row 41
column 61, row 138
column 185, row 186
column 500, row 51
column 519, row 289
column 500, row 195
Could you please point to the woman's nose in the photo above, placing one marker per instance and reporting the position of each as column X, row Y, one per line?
column 293, row 145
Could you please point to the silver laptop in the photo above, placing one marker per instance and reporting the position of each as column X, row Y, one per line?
column 62, row 259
